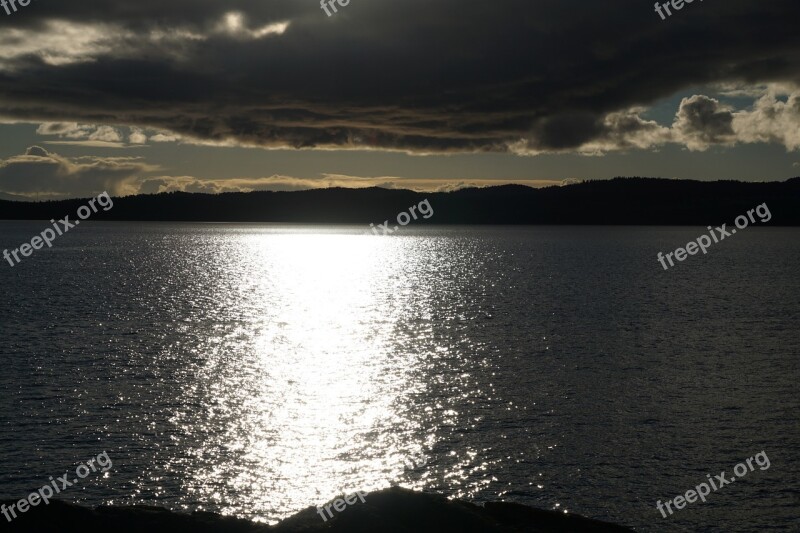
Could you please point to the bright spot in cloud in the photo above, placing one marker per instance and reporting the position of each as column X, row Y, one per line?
column 234, row 24
column 234, row 21
column 277, row 28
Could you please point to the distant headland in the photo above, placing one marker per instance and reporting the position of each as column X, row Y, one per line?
column 620, row 201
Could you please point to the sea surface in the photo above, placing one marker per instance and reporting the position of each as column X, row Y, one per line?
column 256, row 370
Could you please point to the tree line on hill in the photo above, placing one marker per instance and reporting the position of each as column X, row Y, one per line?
column 620, row 201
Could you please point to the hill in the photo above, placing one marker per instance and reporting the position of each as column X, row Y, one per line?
column 621, row 201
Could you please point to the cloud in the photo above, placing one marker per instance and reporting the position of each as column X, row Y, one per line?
column 90, row 135
column 702, row 121
column 90, row 144
column 234, row 24
column 71, row 130
column 159, row 184
column 37, row 151
column 623, row 130
column 57, row 43
column 507, row 76
column 771, row 120
column 137, row 136
column 165, row 137
column 43, row 174
column 106, row 134
column 80, row 178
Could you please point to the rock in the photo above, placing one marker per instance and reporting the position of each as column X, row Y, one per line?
column 394, row 510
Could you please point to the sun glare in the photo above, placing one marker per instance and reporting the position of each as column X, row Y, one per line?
column 315, row 378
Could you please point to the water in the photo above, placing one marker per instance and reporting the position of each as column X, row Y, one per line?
column 255, row 370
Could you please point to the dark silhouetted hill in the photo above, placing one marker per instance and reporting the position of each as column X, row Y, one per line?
column 392, row 510
column 621, row 201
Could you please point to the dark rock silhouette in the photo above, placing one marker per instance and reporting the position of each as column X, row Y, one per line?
column 394, row 510
column 621, row 201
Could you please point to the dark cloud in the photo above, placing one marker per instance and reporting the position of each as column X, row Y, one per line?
column 37, row 151
column 445, row 76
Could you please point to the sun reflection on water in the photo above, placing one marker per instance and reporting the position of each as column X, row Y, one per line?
column 315, row 390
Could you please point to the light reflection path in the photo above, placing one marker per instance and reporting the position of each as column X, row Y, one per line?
column 316, row 389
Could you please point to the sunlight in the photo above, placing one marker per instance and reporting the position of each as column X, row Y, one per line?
column 234, row 24
column 234, row 21
column 316, row 385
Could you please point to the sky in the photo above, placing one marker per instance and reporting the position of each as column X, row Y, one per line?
column 211, row 96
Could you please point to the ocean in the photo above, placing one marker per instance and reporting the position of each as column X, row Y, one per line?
column 258, row 369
